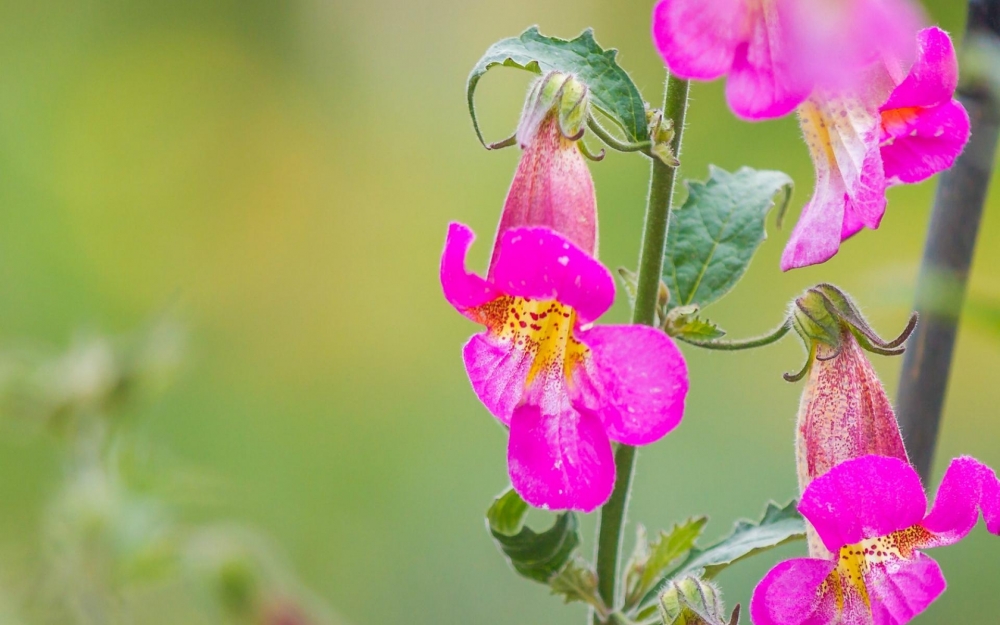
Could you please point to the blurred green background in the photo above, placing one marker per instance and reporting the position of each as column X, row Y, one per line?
column 278, row 176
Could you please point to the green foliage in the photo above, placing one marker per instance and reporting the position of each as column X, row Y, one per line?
column 537, row 556
column 778, row 526
column 577, row 582
column 714, row 235
column 650, row 559
column 611, row 89
column 684, row 322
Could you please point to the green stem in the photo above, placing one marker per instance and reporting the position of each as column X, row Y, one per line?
column 732, row 346
column 654, row 238
column 612, row 141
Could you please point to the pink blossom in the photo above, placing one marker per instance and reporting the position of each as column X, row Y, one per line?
column 897, row 128
column 871, row 513
column 775, row 52
column 565, row 388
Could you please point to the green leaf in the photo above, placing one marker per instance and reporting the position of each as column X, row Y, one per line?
column 611, row 89
column 778, row 526
column 714, row 235
column 537, row 556
column 652, row 559
column 684, row 322
column 577, row 581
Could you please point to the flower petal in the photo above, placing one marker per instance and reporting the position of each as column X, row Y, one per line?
column 920, row 142
column 696, row 38
column 763, row 84
column 498, row 371
column 537, row 263
column 560, row 461
column 968, row 486
column 790, row 594
column 462, row 289
column 867, row 497
column 832, row 39
column 854, row 131
column 903, row 589
column 932, row 78
column 640, row 382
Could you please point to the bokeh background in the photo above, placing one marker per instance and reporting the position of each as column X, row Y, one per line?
column 278, row 177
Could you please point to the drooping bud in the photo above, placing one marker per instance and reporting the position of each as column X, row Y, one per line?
column 693, row 601
column 552, row 186
column 844, row 412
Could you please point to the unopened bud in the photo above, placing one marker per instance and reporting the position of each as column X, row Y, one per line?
column 691, row 601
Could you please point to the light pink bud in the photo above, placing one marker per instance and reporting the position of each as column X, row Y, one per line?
column 552, row 187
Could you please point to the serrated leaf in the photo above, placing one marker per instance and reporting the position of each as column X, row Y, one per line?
column 537, row 556
column 683, row 322
column 663, row 551
column 714, row 235
column 611, row 89
column 778, row 526
column 577, row 581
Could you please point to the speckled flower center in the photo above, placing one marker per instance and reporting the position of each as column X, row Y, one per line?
column 540, row 329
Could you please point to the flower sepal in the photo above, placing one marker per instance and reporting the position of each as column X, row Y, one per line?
column 823, row 314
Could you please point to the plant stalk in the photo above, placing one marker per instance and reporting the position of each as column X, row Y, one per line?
column 661, row 190
column 951, row 240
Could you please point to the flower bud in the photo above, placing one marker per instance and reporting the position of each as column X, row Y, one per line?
column 844, row 412
column 552, row 186
column 691, row 601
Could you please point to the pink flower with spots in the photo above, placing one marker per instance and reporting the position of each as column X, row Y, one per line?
column 565, row 388
column 871, row 513
column 775, row 52
column 899, row 127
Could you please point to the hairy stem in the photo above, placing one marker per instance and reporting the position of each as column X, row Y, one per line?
column 731, row 346
column 951, row 239
column 654, row 237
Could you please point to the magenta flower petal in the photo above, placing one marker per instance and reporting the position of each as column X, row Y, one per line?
column 817, row 235
column 462, row 289
column 562, row 460
column 902, row 590
column 933, row 77
column 642, row 388
column 863, row 498
column 537, row 263
column 832, row 39
column 919, row 143
column 762, row 85
column 498, row 371
column 697, row 38
column 790, row 594
column 968, row 486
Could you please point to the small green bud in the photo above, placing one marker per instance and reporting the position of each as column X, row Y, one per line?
column 691, row 601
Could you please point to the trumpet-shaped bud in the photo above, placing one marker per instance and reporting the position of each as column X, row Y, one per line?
column 552, row 186
column 693, row 601
column 844, row 412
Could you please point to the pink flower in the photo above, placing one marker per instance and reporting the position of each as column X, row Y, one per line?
column 552, row 186
column 564, row 388
column 776, row 51
column 896, row 129
column 871, row 513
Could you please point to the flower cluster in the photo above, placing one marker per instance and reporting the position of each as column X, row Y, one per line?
column 565, row 388
column 874, row 96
